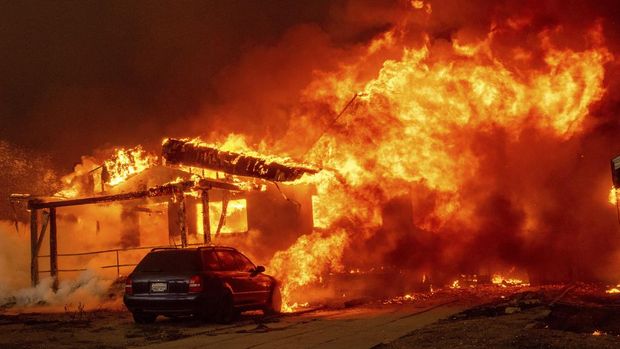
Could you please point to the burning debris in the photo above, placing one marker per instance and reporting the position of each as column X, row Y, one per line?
column 194, row 153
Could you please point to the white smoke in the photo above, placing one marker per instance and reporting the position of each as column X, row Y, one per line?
column 88, row 290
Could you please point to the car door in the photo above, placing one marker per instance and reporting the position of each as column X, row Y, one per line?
column 258, row 285
column 235, row 277
column 214, row 275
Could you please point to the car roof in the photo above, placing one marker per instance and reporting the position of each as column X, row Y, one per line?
column 215, row 247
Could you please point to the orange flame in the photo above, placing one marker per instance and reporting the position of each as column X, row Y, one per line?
column 613, row 290
column 127, row 162
column 612, row 198
column 304, row 263
column 420, row 109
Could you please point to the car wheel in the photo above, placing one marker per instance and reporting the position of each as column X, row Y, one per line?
column 225, row 312
column 144, row 318
column 275, row 302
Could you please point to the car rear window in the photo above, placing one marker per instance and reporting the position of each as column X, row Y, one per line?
column 169, row 261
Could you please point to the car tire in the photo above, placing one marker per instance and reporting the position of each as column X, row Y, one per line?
column 225, row 310
column 144, row 318
column 275, row 302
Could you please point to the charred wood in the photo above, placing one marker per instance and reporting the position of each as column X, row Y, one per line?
column 177, row 151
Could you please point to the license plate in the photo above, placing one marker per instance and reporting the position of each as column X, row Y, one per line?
column 159, row 287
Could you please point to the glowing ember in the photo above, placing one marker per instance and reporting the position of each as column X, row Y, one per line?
column 407, row 298
column 504, row 282
column 614, row 290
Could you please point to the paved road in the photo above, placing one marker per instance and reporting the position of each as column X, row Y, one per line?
column 360, row 327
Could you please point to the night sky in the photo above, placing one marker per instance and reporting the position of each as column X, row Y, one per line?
column 81, row 75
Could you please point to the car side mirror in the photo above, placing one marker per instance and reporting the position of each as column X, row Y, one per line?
column 259, row 269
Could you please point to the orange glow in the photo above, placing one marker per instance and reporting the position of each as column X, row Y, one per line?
column 238, row 144
column 420, row 112
column 304, row 263
column 613, row 290
column 236, row 220
column 504, row 282
column 612, row 198
column 412, row 124
column 127, row 162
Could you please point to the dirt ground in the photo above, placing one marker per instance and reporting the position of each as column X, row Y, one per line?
column 556, row 317
column 490, row 317
column 520, row 330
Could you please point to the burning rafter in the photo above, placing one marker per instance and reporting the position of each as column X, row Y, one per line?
column 161, row 190
column 188, row 153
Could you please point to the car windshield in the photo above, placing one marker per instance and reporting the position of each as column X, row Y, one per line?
column 169, row 261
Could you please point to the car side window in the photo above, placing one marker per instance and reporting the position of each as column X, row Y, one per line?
column 210, row 261
column 243, row 263
column 227, row 260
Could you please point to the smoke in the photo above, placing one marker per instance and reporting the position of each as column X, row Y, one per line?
column 88, row 289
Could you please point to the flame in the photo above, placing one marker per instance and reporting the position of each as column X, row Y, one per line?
column 419, row 109
column 411, row 125
column 417, row 4
column 87, row 175
column 407, row 298
column 236, row 220
column 127, row 162
column 504, row 282
column 613, row 290
column 237, row 143
column 612, row 198
column 420, row 113
column 304, row 263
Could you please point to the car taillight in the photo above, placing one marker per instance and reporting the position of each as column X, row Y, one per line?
column 195, row 284
column 128, row 286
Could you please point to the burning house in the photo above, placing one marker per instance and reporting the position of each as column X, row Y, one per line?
column 178, row 203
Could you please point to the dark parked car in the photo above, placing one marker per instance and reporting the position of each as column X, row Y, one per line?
column 212, row 282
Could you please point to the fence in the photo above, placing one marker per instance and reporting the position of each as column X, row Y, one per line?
column 116, row 251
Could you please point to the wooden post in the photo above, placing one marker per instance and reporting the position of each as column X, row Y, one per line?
column 206, row 221
column 53, row 248
column 118, row 266
column 34, row 259
column 182, row 224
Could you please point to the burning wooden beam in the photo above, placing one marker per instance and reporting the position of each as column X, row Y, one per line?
column 188, row 153
column 37, row 203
